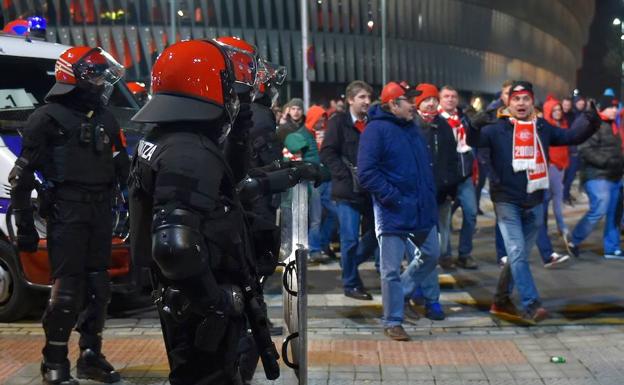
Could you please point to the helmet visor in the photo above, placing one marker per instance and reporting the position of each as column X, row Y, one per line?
column 99, row 68
column 271, row 73
column 244, row 64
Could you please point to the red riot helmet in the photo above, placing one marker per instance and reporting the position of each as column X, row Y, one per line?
column 193, row 80
column 139, row 91
column 269, row 75
column 87, row 68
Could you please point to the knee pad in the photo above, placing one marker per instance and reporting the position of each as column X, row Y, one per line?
column 63, row 307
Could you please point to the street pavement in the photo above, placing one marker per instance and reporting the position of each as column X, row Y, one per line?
column 347, row 345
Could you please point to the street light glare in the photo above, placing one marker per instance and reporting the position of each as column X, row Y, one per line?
column 617, row 21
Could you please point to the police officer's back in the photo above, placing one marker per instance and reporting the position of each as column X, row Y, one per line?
column 186, row 219
column 76, row 144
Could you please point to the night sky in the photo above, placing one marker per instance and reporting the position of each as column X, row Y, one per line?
column 603, row 47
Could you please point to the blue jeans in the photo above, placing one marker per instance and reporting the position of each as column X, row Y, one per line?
column 328, row 224
column 518, row 227
column 543, row 240
column 353, row 250
column 467, row 200
column 315, row 216
column 396, row 287
column 570, row 173
column 444, row 227
column 500, row 245
column 555, row 192
column 603, row 197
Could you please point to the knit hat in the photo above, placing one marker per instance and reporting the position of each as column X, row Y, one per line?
column 426, row 91
column 521, row 87
column 298, row 102
column 395, row 90
column 607, row 101
column 314, row 114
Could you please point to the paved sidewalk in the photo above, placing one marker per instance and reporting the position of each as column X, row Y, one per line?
column 346, row 355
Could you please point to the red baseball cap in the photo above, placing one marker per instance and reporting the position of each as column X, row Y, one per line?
column 394, row 90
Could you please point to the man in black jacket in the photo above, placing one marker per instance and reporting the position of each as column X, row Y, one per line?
column 449, row 99
column 353, row 205
column 518, row 152
column 602, row 166
column 442, row 146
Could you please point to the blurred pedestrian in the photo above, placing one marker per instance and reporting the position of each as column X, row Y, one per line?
column 575, row 161
column 442, row 148
column 466, row 198
column 558, row 162
column 601, row 174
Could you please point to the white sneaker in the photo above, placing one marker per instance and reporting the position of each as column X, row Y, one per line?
column 617, row 254
column 502, row 261
column 555, row 259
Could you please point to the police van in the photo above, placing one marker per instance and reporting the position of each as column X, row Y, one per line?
column 27, row 68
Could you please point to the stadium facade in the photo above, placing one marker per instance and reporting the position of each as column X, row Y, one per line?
column 471, row 44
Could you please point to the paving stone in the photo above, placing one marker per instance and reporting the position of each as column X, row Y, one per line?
column 497, row 376
column 17, row 380
column 609, row 380
column 468, row 376
column 525, row 374
column 367, row 376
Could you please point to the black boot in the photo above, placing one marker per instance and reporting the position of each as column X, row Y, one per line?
column 57, row 374
column 92, row 365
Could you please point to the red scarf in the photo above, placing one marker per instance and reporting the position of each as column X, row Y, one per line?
column 528, row 154
column 458, row 129
column 360, row 125
column 427, row 116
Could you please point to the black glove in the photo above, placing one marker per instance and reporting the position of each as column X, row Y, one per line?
column 27, row 235
column 243, row 122
column 480, row 120
column 233, row 300
column 310, row 172
column 592, row 115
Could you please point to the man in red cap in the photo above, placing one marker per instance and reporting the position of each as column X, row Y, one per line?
column 441, row 144
column 395, row 167
column 518, row 149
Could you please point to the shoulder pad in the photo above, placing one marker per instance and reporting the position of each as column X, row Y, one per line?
column 145, row 150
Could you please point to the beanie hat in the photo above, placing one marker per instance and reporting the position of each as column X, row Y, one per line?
column 297, row 102
column 426, row 91
column 607, row 101
column 314, row 114
column 521, row 87
column 395, row 90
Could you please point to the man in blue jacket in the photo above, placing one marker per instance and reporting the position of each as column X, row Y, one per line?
column 518, row 149
column 394, row 165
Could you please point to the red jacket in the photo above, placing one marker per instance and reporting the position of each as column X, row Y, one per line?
column 558, row 154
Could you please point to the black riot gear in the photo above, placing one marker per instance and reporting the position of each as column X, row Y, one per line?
column 79, row 150
column 198, row 300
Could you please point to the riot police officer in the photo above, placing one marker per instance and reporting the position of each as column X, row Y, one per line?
column 265, row 150
column 186, row 217
column 76, row 144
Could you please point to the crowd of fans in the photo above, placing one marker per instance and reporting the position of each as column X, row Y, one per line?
column 402, row 164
